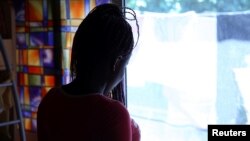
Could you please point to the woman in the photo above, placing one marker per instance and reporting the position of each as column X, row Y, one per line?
column 81, row 110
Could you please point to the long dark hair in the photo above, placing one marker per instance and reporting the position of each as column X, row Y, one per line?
column 107, row 30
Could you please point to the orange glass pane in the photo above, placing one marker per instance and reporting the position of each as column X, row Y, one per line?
column 33, row 57
column 26, row 80
column 35, row 11
column 24, row 57
column 77, row 9
column 35, row 70
column 27, row 124
column 49, row 80
column 26, row 96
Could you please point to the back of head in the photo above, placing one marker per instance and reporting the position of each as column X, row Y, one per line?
column 102, row 36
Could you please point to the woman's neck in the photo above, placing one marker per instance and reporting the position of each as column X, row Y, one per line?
column 80, row 87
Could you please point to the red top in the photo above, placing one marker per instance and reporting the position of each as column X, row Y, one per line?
column 62, row 117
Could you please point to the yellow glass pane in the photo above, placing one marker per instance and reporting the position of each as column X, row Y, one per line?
column 27, row 124
column 63, row 10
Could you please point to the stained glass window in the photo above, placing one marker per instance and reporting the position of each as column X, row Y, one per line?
column 36, row 55
column 72, row 13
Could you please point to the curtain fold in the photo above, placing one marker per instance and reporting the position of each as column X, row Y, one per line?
column 233, row 36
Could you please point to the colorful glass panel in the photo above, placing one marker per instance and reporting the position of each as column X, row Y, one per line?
column 34, row 54
column 37, row 68
column 72, row 13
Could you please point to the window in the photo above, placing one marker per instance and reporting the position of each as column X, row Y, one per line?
column 191, row 67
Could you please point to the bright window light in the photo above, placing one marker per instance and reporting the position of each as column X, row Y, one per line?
column 191, row 68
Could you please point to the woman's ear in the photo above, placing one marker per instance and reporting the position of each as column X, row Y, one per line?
column 117, row 63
